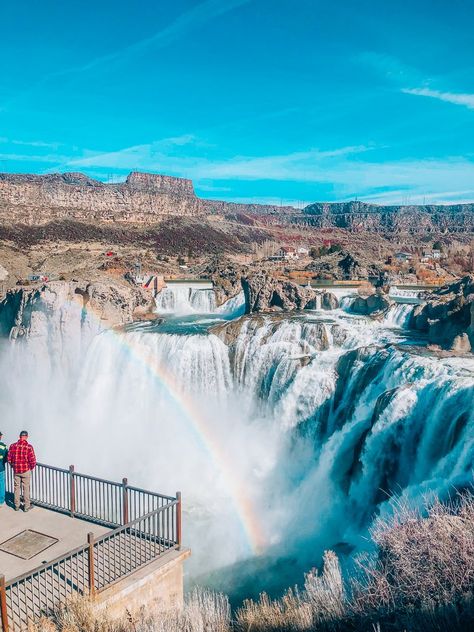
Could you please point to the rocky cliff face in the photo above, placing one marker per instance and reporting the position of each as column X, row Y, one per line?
column 264, row 293
column 359, row 216
column 146, row 198
column 448, row 316
column 70, row 310
column 142, row 198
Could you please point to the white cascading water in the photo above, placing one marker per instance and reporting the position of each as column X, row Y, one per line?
column 182, row 299
column 285, row 433
column 398, row 315
column 185, row 300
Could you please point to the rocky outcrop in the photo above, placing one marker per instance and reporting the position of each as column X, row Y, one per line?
column 264, row 293
column 313, row 335
column 448, row 316
column 147, row 198
column 329, row 301
column 70, row 309
column 226, row 279
column 142, row 198
column 138, row 181
column 373, row 305
column 344, row 266
column 360, row 216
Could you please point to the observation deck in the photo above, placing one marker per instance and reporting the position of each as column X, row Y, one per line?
column 116, row 544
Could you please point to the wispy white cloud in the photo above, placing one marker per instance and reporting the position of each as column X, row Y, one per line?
column 29, row 143
column 190, row 20
column 193, row 19
column 457, row 98
column 388, row 66
column 345, row 171
column 33, row 158
column 295, row 166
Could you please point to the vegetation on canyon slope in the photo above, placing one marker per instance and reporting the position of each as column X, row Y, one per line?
column 420, row 579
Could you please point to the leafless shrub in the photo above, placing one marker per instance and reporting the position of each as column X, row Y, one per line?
column 421, row 579
column 325, row 593
column 424, row 565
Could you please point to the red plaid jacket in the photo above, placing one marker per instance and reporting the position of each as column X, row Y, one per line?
column 21, row 456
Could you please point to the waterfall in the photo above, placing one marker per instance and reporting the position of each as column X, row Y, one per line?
column 182, row 299
column 346, row 302
column 317, row 421
column 398, row 315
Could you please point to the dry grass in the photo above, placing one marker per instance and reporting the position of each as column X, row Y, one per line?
column 424, row 567
column 318, row 607
column 420, row 580
column 204, row 611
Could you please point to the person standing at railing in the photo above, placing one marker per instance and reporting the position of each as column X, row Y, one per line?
column 21, row 457
column 3, row 460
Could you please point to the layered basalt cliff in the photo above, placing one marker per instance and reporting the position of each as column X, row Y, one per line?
column 360, row 216
column 142, row 198
column 146, row 198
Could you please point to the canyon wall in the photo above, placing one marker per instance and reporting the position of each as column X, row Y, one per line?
column 142, row 198
column 147, row 198
column 360, row 216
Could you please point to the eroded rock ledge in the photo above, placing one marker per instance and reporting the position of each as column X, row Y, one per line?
column 265, row 293
column 70, row 307
column 448, row 316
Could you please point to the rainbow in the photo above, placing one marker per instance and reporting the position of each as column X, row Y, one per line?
column 244, row 508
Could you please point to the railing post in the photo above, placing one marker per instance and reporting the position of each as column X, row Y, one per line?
column 72, row 491
column 3, row 604
column 90, row 540
column 178, row 520
column 125, row 500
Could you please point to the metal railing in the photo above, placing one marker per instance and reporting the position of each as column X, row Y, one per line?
column 99, row 500
column 145, row 525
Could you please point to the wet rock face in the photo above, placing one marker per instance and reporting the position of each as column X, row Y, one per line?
column 448, row 316
column 310, row 334
column 70, row 308
column 329, row 301
column 264, row 293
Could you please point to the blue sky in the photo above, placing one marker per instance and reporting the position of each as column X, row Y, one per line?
column 255, row 100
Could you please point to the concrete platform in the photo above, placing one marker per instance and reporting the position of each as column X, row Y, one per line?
column 70, row 532
column 158, row 585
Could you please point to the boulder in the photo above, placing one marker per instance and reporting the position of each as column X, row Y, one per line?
column 329, row 301
column 371, row 305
